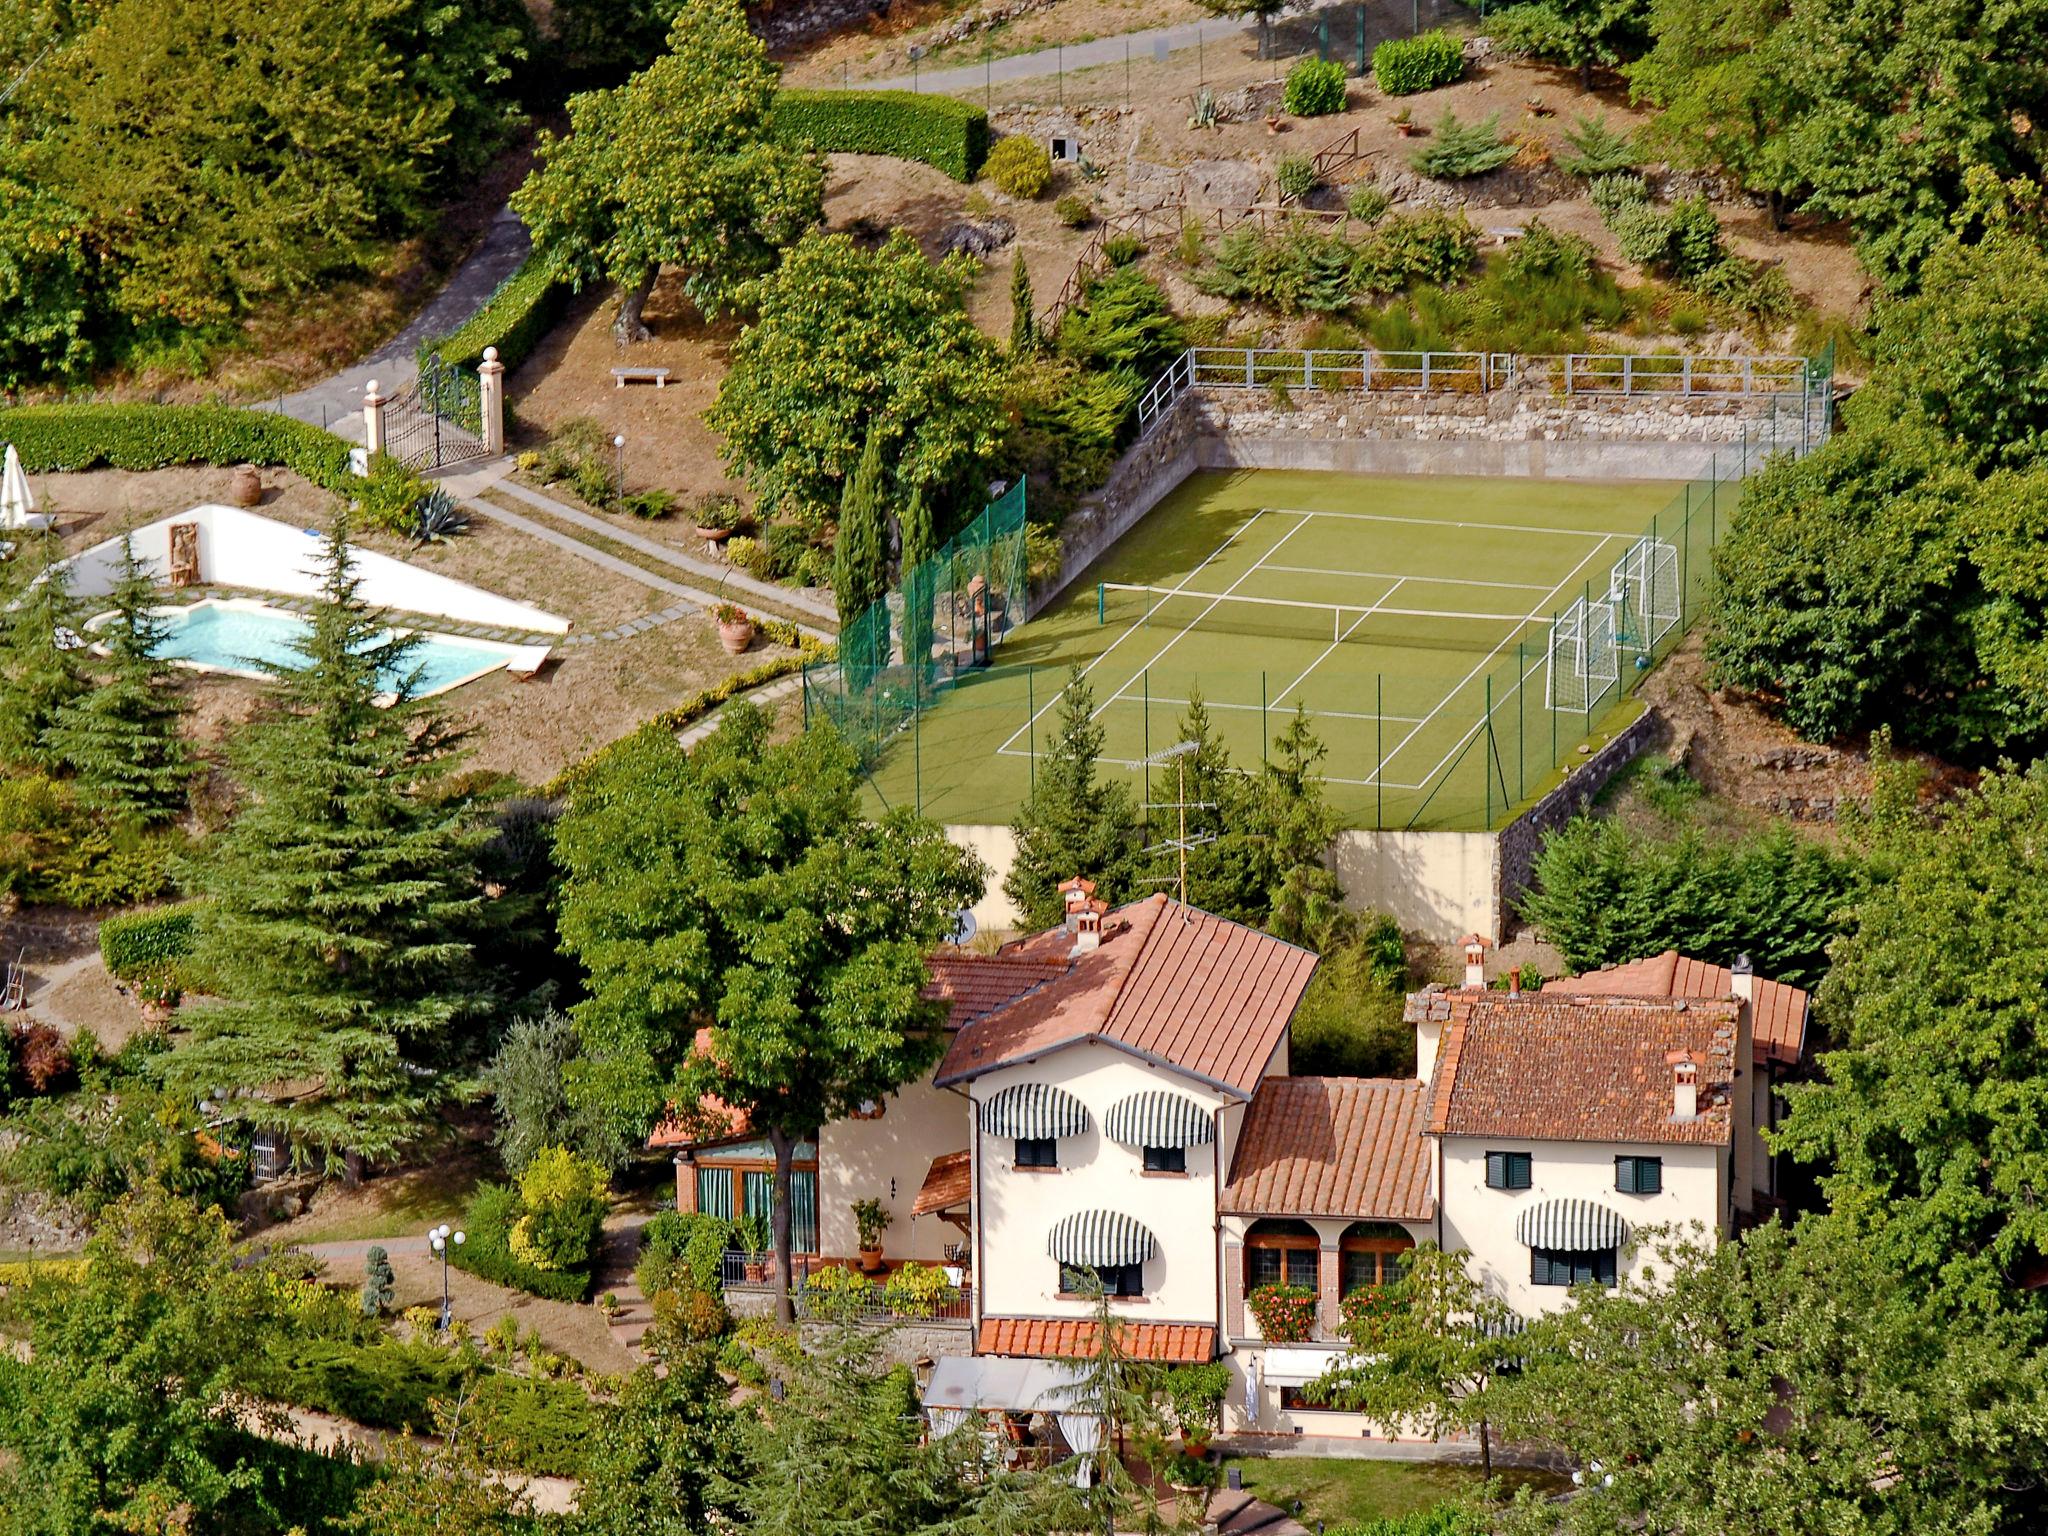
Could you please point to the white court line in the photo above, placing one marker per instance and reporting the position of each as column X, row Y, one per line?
column 1537, row 613
column 1375, row 608
column 1176, row 640
column 1214, row 554
column 1437, row 522
column 1442, row 581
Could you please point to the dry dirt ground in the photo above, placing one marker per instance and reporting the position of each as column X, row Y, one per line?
column 880, row 48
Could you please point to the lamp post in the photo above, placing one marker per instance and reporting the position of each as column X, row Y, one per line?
column 440, row 1239
column 619, row 451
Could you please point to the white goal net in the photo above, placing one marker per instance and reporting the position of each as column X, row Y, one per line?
column 1643, row 588
column 1583, row 664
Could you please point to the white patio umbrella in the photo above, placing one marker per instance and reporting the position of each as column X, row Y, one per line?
column 17, row 501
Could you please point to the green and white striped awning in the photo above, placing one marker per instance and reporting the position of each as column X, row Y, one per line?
column 1100, row 1239
column 1034, row 1112
column 1158, row 1119
column 1575, row 1226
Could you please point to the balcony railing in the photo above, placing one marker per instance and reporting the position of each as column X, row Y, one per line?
column 756, row 1272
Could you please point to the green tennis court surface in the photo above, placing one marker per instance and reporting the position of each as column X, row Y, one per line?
column 1414, row 616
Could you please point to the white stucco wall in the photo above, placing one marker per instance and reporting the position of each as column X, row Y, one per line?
column 997, row 848
column 1020, row 1207
column 241, row 549
column 1438, row 882
column 860, row 1159
column 1482, row 1220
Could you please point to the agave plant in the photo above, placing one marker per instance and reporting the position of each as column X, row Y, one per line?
column 436, row 517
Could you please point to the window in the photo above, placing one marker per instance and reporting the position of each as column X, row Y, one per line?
column 1038, row 1152
column 1166, row 1159
column 1639, row 1175
column 1304, row 1397
column 1116, row 1279
column 1281, row 1253
column 731, row 1189
column 1372, row 1253
column 1562, row 1266
column 1507, row 1170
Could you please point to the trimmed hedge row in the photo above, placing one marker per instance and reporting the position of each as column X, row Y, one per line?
column 514, row 319
column 486, row 1253
column 142, row 942
column 948, row 134
column 1401, row 66
column 141, row 437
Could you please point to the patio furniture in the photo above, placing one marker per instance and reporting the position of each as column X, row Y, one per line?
column 659, row 376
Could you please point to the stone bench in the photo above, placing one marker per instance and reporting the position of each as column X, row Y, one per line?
column 640, row 376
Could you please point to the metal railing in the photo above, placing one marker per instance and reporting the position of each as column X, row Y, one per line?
column 739, row 1271
column 1583, row 373
column 873, row 1309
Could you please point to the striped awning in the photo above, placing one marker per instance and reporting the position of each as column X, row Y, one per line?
column 1033, row 1112
column 1575, row 1226
column 1100, row 1238
column 1158, row 1119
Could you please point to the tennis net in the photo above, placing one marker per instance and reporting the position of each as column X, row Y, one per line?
column 1376, row 624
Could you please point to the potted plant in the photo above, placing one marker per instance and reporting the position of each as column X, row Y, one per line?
column 715, row 517
column 1286, row 1313
column 159, row 997
column 735, row 627
column 1404, row 123
column 608, row 1304
column 871, row 1218
column 1196, row 1393
column 751, row 1233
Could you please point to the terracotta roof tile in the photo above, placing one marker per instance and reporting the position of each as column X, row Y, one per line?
column 1779, row 1012
column 1169, row 983
column 1075, row 1339
column 1564, row 1067
column 947, row 1183
column 979, row 984
column 1334, row 1146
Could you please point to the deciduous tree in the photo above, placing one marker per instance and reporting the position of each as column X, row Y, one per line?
column 1581, row 33
column 665, row 1457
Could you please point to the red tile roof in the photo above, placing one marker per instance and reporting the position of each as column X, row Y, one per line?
column 1170, row 984
column 1778, row 1012
column 1559, row 1067
column 1075, row 1339
column 1334, row 1146
column 949, row 1182
column 979, row 984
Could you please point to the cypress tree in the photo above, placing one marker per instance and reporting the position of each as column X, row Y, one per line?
column 918, row 583
column 121, row 736
column 38, row 674
column 1023, row 314
column 859, row 565
column 1074, row 823
column 339, row 899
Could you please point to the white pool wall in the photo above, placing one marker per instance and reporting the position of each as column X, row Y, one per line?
column 241, row 549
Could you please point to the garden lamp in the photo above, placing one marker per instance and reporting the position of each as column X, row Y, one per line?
column 440, row 1239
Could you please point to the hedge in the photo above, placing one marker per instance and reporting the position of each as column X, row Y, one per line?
column 64, row 437
column 945, row 133
column 543, row 1427
column 143, row 942
column 485, row 1253
column 1404, row 65
column 513, row 319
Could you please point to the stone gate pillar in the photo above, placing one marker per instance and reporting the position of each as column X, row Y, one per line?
column 491, row 376
column 373, row 418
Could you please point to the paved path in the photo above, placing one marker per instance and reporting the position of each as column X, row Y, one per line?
column 337, row 403
column 615, row 1275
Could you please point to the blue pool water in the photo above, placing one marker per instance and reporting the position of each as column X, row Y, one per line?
column 231, row 639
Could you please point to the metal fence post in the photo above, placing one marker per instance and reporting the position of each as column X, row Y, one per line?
column 1262, row 719
column 1031, row 723
column 1485, row 767
column 1379, row 751
column 1147, row 675
column 1248, row 367
column 1521, row 730
column 1425, row 373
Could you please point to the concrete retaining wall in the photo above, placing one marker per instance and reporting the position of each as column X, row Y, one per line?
column 1439, row 883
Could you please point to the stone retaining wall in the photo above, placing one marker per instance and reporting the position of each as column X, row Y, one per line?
column 1523, row 837
column 906, row 1343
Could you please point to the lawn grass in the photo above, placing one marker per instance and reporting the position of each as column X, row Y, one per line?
column 1338, row 1492
column 391, row 1205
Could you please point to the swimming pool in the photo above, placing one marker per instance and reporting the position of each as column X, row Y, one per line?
column 234, row 635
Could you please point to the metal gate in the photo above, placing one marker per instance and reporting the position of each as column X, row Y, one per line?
column 438, row 420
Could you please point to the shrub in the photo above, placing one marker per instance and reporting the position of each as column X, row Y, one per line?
column 562, row 1200
column 919, row 1290
column 1074, row 211
column 1612, row 193
column 1596, row 149
column 1456, row 150
column 1196, row 1394
column 147, row 943
column 1434, row 246
column 1404, row 65
column 41, row 1058
column 1122, row 250
column 1315, row 88
column 695, row 1239
column 1757, row 290
column 686, row 1315
column 487, row 1254
column 1695, row 238
column 1546, row 252
column 542, row 1427
column 51, row 438
column 1643, row 231
column 1019, row 166
column 1295, row 176
column 1443, row 1520
column 1286, row 1313
column 650, row 505
column 838, row 1293
column 1368, row 202
column 387, row 1385
column 942, row 131
column 513, row 319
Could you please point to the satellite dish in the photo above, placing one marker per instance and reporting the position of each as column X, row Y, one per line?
column 964, row 927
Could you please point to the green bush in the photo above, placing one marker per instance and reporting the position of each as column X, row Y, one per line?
column 513, row 319
column 487, row 1253
column 141, row 943
column 694, row 1240
column 52, row 849
column 1455, row 150
column 942, row 131
column 1546, row 252
column 542, row 1427
column 1295, row 176
column 1405, row 65
column 1074, row 211
column 1368, row 202
column 838, row 1293
column 1019, row 166
column 1315, row 88
column 1618, row 190
column 51, row 438
column 1596, row 149
column 387, row 1385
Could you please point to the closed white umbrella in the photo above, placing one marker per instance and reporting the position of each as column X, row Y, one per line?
column 17, row 501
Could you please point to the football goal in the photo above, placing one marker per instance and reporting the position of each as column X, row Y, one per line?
column 1583, row 663
column 1643, row 589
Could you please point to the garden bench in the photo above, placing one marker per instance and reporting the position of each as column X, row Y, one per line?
column 641, row 376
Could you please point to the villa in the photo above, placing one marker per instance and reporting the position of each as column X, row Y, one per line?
column 1116, row 1102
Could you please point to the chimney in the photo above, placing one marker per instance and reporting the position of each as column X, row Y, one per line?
column 1475, row 961
column 1685, row 1085
column 1086, row 923
column 1077, row 893
column 1514, row 981
column 1742, row 978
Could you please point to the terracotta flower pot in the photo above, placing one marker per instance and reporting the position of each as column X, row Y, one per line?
column 756, row 1271
column 871, row 1259
column 245, row 486
column 711, row 535
column 735, row 634
column 156, row 1015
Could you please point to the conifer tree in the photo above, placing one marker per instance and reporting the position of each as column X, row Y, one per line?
column 1074, row 823
column 859, row 564
column 120, row 737
column 1023, row 314
column 339, row 897
column 1226, row 875
column 39, row 675
column 1306, row 900
column 919, row 587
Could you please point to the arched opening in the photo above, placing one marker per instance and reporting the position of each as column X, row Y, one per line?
column 1371, row 1253
column 1280, row 1252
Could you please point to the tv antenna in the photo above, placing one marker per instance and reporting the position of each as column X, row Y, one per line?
column 1178, row 755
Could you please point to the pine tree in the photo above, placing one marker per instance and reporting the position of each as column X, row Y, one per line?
column 1296, row 823
column 339, row 896
column 121, row 736
column 1226, row 875
column 379, row 1283
column 1073, row 824
column 859, row 565
column 38, row 674
column 1023, row 314
column 918, row 581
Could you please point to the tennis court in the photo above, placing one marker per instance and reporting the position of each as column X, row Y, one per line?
column 1453, row 638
